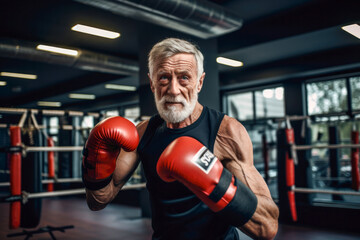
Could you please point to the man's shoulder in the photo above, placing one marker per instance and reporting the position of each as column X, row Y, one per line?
column 230, row 126
column 214, row 112
column 141, row 127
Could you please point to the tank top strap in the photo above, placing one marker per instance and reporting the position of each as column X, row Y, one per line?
column 154, row 122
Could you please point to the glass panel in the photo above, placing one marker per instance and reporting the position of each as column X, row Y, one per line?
column 240, row 106
column 87, row 122
column 355, row 92
column 269, row 102
column 111, row 113
column 54, row 125
column 132, row 113
column 264, row 138
column 321, row 167
column 327, row 97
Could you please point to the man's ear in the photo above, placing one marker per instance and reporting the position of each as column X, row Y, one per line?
column 151, row 83
column 201, row 81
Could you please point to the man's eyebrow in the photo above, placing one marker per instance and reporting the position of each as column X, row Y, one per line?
column 182, row 71
column 162, row 71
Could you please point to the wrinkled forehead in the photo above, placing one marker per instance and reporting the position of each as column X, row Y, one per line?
column 177, row 62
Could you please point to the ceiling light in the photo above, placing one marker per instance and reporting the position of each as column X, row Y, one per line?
column 65, row 51
column 18, row 75
column 2, row 83
column 353, row 29
column 95, row 31
column 49, row 104
column 229, row 62
column 120, row 87
column 82, row 96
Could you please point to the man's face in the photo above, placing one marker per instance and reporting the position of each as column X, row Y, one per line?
column 175, row 86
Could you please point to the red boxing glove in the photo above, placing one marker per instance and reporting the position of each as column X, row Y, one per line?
column 191, row 163
column 102, row 148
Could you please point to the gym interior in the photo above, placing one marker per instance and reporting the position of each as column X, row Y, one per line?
column 289, row 71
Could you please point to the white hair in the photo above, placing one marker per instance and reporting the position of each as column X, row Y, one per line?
column 171, row 46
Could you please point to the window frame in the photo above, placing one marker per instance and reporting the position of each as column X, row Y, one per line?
column 255, row 119
column 349, row 112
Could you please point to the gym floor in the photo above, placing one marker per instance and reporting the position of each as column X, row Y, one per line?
column 125, row 222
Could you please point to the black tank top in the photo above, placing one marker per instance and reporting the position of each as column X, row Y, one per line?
column 176, row 212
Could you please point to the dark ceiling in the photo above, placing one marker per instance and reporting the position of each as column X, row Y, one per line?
column 278, row 39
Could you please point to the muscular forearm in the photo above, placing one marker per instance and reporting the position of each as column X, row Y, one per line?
column 98, row 199
column 264, row 222
column 92, row 201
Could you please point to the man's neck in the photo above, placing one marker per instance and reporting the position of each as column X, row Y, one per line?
column 189, row 120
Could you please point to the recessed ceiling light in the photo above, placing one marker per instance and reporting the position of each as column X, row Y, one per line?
column 120, row 87
column 95, row 31
column 49, row 104
column 82, row 96
column 353, row 29
column 18, row 75
column 2, row 83
column 229, row 62
column 53, row 49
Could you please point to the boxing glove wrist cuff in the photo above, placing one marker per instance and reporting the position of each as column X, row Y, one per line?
column 243, row 205
column 95, row 185
column 221, row 188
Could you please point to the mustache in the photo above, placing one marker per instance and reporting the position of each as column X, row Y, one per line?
column 177, row 99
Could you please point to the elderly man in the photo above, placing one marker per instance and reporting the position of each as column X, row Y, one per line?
column 198, row 162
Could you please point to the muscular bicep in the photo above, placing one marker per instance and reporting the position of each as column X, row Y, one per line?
column 234, row 148
column 250, row 176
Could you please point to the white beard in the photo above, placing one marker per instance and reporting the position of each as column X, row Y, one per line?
column 174, row 114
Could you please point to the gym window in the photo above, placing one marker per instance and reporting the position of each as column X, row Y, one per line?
column 254, row 108
column 333, row 103
column 54, row 125
column 111, row 113
column 87, row 122
column 339, row 96
column 269, row 102
column 240, row 106
column 327, row 97
column 256, row 104
column 355, row 92
column 132, row 113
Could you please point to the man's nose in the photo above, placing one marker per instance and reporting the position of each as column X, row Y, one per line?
column 174, row 87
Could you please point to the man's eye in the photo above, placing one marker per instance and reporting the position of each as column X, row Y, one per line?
column 185, row 77
column 164, row 78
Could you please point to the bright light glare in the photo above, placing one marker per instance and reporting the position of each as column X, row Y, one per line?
column 353, row 29
column 229, row 62
column 2, row 83
column 64, row 51
column 18, row 75
column 120, row 87
column 312, row 103
column 49, row 104
column 268, row 93
column 95, row 31
column 82, row 96
column 279, row 93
